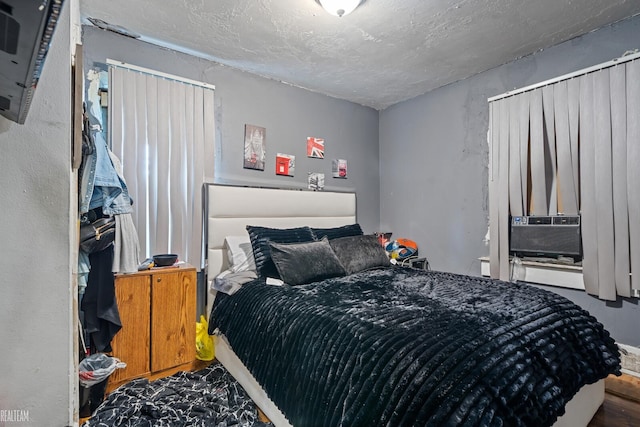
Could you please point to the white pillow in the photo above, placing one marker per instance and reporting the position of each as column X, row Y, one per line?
column 239, row 253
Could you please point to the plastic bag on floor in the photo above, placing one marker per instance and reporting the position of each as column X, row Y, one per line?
column 204, row 341
column 97, row 367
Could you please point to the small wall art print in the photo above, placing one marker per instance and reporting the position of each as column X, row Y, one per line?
column 339, row 168
column 316, row 181
column 285, row 164
column 315, row 147
column 255, row 152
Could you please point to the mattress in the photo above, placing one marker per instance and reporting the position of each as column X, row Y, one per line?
column 399, row 346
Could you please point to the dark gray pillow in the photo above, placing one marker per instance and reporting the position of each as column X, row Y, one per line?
column 357, row 253
column 300, row 263
column 260, row 238
column 336, row 232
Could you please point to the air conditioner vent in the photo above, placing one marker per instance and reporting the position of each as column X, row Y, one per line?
column 546, row 236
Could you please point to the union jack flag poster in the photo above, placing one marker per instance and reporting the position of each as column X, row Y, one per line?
column 315, row 147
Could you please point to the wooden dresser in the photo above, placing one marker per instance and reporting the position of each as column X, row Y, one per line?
column 158, row 313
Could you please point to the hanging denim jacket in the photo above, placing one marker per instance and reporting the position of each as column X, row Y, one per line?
column 101, row 185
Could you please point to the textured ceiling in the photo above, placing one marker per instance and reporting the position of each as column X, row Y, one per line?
column 385, row 52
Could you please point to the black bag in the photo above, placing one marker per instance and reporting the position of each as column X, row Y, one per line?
column 98, row 235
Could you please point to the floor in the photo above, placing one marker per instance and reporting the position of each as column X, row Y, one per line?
column 617, row 412
column 621, row 407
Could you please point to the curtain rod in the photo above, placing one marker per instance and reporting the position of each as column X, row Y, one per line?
column 578, row 73
column 121, row 64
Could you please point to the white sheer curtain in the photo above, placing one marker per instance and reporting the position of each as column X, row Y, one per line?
column 573, row 146
column 163, row 132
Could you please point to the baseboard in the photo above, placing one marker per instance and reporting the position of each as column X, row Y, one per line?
column 630, row 359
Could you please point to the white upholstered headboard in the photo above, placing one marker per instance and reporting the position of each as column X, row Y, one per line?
column 230, row 209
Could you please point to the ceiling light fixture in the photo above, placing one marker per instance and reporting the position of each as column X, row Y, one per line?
column 339, row 8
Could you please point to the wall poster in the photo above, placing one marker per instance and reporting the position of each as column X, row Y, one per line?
column 254, row 147
column 339, row 168
column 285, row 164
column 315, row 147
column 316, row 181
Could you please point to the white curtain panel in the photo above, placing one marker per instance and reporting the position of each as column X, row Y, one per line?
column 587, row 186
column 499, row 186
column 540, row 199
column 163, row 131
column 516, row 201
column 503, row 189
column 550, row 163
column 524, row 150
column 567, row 185
column 633, row 171
column 582, row 137
column 604, row 185
column 494, row 178
column 573, row 94
column 619, row 166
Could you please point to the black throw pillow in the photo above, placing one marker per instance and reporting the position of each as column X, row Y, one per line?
column 260, row 238
column 357, row 253
column 336, row 232
column 300, row 263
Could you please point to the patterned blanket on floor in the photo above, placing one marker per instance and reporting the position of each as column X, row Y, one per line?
column 210, row 397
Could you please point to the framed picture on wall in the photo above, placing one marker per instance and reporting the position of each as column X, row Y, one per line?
column 339, row 168
column 315, row 147
column 255, row 152
column 285, row 164
column 316, row 181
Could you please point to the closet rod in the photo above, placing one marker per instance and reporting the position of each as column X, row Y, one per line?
column 121, row 64
column 578, row 73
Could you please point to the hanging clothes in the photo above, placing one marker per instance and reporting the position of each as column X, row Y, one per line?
column 103, row 192
column 102, row 319
column 126, row 246
column 101, row 185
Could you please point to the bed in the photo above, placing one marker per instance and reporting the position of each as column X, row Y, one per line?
column 388, row 345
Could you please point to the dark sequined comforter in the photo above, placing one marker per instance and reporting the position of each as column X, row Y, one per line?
column 403, row 347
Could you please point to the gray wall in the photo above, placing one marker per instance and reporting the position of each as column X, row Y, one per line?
column 289, row 114
column 434, row 161
column 621, row 317
column 36, row 229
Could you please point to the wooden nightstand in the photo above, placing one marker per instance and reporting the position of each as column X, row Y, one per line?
column 158, row 313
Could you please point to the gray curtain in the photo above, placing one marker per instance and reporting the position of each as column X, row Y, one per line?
column 633, row 171
column 163, row 131
column 582, row 136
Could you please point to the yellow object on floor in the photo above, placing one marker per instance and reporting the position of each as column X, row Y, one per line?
column 204, row 342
